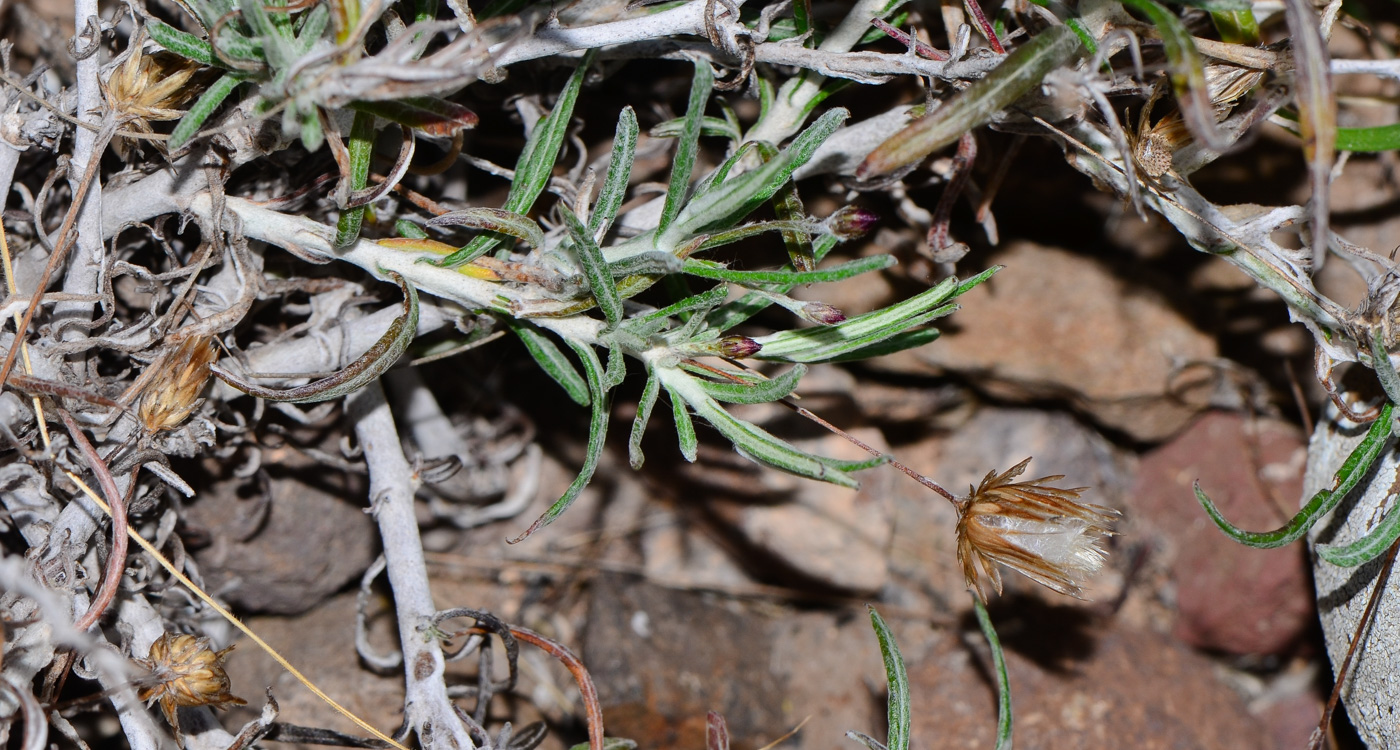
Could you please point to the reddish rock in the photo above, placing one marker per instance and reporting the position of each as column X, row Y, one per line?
column 1230, row 597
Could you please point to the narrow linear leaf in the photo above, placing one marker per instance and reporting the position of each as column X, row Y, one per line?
column 901, row 717
column 493, row 220
column 710, row 270
column 752, row 441
column 709, row 126
column 1369, row 140
column 1018, row 74
column 787, row 204
column 740, row 310
column 551, row 360
column 639, row 424
column 870, row 742
column 597, row 429
column 999, row 667
column 1187, row 74
column 182, row 43
column 614, row 190
column 757, row 392
column 361, row 149
column 358, row 374
column 727, row 203
column 821, row 344
column 896, row 343
column 855, row 465
column 1353, row 469
column 701, row 301
column 687, row 145
column 409, row 231
column 1369, row 547
column 204, row 106
column 1317, row 110
column 685, row 428
column 536, row 162
column 616, row 371
column 595, row 267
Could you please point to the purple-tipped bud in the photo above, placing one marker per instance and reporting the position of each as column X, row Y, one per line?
column 822, row 313
column 738, row 347
column 850, row 222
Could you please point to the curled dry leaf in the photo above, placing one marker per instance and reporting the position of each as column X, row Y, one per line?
column 1040, row 531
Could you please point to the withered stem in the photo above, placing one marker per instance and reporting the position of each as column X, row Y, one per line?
column 916, row 476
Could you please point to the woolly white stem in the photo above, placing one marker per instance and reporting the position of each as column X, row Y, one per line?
column 427, row 706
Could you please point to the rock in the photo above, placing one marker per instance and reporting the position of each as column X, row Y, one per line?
column 1076, row 684
column 310, row 544
column 825, row 533
column 1053, row 324
column 661, row 659
column 1230, row 597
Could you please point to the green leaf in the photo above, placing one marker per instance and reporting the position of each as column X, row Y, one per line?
column 900, row 716
column 551, row 360
column 736, row 198
column 740, row 310
column 361, row 148
column 597, row 429
column 493, row 220
column 182, row 43
column 205, row 106
column 999, row 667
column 1369, row 140
column 652, row 322
column 709, row 126
column 1353, row 469
column 821, row 344
column 688, row 145
column 896, row 343
column 685, row 429
column 749, row 440
column 614, row 190
column 1368, row 547
column 1017, row 75
column 358, row 374
column 1215, row 6
column 595, row 268
column 409, row 230
column 757, row 392
column 710, row 270
column 535, row 165
column 639, row 423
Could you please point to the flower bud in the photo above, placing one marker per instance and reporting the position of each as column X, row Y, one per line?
column 822, row 313
column 850, row 222
column 738, row 347
column 174, row 393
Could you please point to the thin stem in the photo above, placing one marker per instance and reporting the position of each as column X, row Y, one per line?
column 116, row 561
column 916, row 476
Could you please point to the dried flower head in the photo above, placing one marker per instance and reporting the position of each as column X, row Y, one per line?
column 174, row 393
column 149, row 88
column 1043, row 532
column 186, row 672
